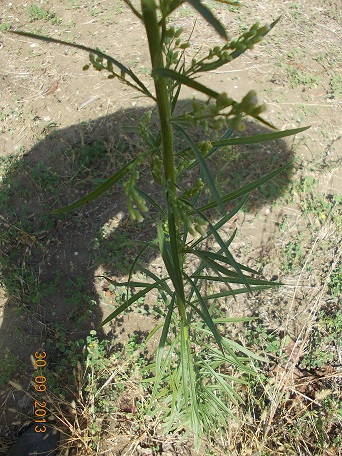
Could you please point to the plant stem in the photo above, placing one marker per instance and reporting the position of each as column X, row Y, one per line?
column 149, row 11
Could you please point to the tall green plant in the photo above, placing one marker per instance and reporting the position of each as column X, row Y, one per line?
column 192, row 387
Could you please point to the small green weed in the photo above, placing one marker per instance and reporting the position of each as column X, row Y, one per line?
column 9, row 366
column 325, row 339
column 293, row 254
column 5, row 25
column 336, row 86
column 335, row 283
column 36, row 13
column 298, row 78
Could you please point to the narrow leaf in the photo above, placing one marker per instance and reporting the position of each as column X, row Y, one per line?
column 235, row 398
column 250, row 280
column 163, row 338
column 141, row 88
column 154, row 330
column 150, row 200
column 135, row 11
column 131, row 301
column 223, row 220
column 166, row 73
column 227, row 253
column 243, row 350
column 237, row 291
column 258, row 138
column 171, row 268
column 223, row 259
column 207, row 317
column 102, row 188
column 205, row 170
column 209, row 17
column 235, row 320
column 246, row 188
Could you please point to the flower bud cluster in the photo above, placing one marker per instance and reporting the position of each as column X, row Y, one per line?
column 193, row 191
column 135, row 202
column 224, row 54
column 248, row 106
column 209, row 116
column 157, row 168
column 194, row 224
column 215, row 116
column 248, row 39
column 184, row 162
column 99, row 65
column 172, row 42
column 204, row 147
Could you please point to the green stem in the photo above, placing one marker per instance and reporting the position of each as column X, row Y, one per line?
column 149, row 10
column 153, row 32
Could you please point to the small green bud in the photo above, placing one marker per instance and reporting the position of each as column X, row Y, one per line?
column 255, row 26
column 217, row 123
column 232, row 44
column 138, row 217
column 250, row 100
column 196, row 106
column 170, row 31
column 204, row 147
column 258, row 110
column 237, row 124
column 184, row 45
column 256, row 39
column 199, row 229
column 227, row 57
column 222, row 101
column 178, row 32
column 263, row 30
column 240, row 46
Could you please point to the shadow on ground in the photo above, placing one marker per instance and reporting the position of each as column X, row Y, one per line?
column 48, row 262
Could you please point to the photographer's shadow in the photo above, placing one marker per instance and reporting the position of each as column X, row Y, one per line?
column 48, row 262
